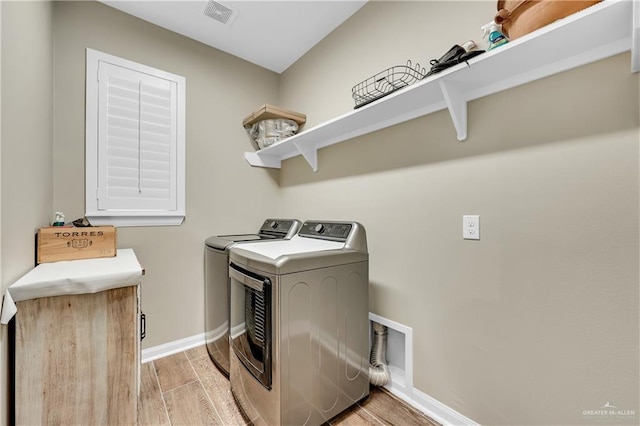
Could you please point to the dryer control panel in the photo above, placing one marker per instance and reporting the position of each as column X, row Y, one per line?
column 280, row 228
column 334, row 231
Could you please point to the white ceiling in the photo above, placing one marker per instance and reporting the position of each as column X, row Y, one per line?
column 272, row 34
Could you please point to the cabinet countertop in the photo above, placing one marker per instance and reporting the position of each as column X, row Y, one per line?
column 73, row 277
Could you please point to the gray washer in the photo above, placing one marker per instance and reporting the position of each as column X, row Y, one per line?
column 299, row 324
column 216, row 276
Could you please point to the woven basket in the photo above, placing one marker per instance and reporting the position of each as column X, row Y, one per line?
column 520, row 17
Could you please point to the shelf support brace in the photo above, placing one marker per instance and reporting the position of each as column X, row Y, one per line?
column 457, row 106
column 255, row 159
column 635, row 37
column 310, row 153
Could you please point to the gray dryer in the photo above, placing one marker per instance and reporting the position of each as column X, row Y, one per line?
column 299, row 324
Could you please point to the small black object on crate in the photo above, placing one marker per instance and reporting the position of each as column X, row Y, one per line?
column 386, row 82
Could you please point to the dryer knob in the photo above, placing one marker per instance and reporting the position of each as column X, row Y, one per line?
column 273, row 224
column 319, row 228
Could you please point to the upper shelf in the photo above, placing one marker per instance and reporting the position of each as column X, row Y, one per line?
column 601, row 31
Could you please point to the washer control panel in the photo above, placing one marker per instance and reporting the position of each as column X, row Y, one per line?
column 279, row 227
column 336, row 231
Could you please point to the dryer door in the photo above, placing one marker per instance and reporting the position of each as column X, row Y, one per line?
column 251, row 333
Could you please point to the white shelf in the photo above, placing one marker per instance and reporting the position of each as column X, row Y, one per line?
column 598, row 32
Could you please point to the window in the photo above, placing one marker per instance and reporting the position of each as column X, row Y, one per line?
column 135, row 143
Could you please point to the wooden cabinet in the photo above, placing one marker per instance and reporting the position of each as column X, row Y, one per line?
column 77, row 341
column 77, row 358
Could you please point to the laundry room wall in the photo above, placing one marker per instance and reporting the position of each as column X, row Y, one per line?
column 4, row 333
column 26, row 53
column 537, row 322
column 223, row 194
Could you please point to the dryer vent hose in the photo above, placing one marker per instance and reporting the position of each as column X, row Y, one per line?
column 378, row 371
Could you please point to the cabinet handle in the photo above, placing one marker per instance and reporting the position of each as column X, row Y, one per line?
column 143, row 325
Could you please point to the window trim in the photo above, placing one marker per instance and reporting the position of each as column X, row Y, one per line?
column 129, row 217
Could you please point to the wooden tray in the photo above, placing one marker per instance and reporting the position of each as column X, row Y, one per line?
column 267, row 111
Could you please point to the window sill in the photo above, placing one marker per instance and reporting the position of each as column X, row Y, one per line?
column 124, row 219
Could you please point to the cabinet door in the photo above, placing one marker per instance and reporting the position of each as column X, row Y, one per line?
column 77, row 358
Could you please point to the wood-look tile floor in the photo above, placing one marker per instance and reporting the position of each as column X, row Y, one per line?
column 187, row 389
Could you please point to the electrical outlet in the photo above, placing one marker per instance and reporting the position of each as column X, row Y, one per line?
column 471, row 227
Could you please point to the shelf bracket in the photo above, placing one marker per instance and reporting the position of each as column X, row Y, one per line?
column 310, row 153
column 457, row 106
column 255, row 159
column 635, row 37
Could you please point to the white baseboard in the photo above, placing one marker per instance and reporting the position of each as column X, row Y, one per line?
column 213, row 335
column 171, row 348
column 433, row 408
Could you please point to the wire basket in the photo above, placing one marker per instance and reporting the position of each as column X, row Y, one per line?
column 386, row 82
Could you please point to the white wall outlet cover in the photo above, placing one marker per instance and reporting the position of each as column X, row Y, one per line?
column 471, row 227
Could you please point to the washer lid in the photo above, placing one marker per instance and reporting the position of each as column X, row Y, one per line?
column 221, row 242
column 296, row 245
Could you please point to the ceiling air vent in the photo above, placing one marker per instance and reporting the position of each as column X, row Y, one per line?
column 219, row 12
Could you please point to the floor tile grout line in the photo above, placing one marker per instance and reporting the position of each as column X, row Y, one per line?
column 371, row 414
column 205, row 391
column 154, row 369
column 182, row 385
column 162, row 392
column 164, row 403
column 175, row 389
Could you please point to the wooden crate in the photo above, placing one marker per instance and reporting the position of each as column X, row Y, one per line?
column 55, row 243
column 267, row 111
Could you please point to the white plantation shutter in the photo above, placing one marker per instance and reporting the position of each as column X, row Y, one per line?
column 139, row 158
column 137, row 133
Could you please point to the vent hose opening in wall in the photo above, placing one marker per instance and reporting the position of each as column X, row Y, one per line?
column 378, row 371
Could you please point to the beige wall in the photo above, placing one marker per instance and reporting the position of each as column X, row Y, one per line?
column 537, row 321
column 4, row 368
column 26, row 167
column 534, row 323
column 223, row 193
column 3, row 334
